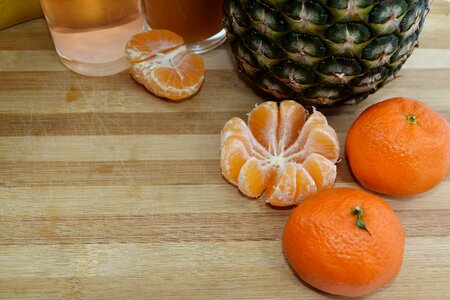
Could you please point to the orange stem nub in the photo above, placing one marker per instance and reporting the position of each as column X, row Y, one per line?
column 411, row 119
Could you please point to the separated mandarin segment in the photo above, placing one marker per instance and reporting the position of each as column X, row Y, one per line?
column 161, row 62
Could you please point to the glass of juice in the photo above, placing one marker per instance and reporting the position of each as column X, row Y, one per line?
column 199, row 22
column 90, row 35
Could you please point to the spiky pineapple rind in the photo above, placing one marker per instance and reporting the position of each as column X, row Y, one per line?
column 323, row 52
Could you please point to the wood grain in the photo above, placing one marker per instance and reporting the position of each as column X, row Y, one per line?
column 107, row 192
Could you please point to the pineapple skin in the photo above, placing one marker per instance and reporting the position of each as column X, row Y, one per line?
column 319, row 52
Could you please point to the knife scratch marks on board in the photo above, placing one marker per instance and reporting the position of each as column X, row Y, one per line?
column 123, row 168
column 91, row 128
column 27, row 138
column 133, row 123
column 30, row 120
column 118, row 124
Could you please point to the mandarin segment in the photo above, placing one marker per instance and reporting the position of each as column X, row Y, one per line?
column 281, row 154
column 252, row 179
column 180, row 80
column 233, row 127
column 152, row 43
column 236, row 128
column 292, row 117
column 315, row 120
column 305, row 184
column 162, row 63
column 263, row 123
column 322, row 170
column 322, row 140
column 284, row 188
column 232, row 158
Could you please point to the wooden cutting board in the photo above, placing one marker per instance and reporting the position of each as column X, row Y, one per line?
column 109, row 193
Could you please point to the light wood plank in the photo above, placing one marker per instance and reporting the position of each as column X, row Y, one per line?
column 47, row 60
column 110, row 148
column 90, row 201
column 136, row 124
column 30, row 60
column 155, row 172
column 218, row 81
column 119, row 270
column 435, row 33
column 179, row 227
column 16, row 102
column 126, row 200
column 115, row 124
column 121, row 172
column 152, row 228
column 424, row 58
column 146, row 172
column 42, row 81
column 221, row 59
column 135, row 258
column 106, row 101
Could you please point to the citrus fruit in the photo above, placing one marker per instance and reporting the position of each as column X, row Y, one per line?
column 161, row 62
column 344, row 241
column 282, row 154
column 399, row 147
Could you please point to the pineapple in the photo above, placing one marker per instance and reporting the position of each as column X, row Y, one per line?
column 323, row 52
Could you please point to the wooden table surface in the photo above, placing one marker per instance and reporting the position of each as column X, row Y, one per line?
column 109, row 193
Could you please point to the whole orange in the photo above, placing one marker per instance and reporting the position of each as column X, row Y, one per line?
column 399, row 147
column 344, row 241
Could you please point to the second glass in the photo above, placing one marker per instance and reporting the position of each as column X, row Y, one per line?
column 199, row 22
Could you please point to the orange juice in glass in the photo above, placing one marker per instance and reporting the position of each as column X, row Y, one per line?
column 199, row 22
column 90, row 35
